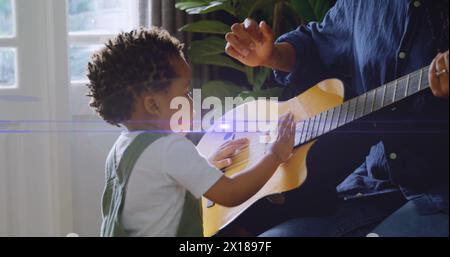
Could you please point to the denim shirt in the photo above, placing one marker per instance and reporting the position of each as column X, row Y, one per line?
column 367, row 44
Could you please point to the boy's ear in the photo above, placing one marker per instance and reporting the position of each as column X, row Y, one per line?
column 151, row 105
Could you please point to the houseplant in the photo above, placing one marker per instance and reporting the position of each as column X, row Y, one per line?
column 211, row 49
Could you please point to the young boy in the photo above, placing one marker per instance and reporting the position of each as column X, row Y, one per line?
column 154, row 177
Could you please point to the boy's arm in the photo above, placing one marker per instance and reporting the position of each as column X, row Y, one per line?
column 236, row 190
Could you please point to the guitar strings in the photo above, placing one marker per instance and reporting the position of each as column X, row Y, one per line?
column 245, row 160
column 261, row 151
column 257, row 151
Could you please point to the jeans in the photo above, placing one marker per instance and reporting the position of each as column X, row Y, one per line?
column 384, row 215
column 406, row 222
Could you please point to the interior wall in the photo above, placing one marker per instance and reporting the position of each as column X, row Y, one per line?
column 88, row 154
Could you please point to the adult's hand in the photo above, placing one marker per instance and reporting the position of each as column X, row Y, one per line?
column 438, row 75
column 250, row 43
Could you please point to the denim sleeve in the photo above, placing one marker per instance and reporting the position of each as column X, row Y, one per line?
column 323, row 50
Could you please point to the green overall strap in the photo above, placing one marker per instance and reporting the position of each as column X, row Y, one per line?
column 117, row 177
column 191, row 223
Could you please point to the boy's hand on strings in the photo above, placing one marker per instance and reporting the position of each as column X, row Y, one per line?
column 284, row 144
column 222, row 157
column 235, row 190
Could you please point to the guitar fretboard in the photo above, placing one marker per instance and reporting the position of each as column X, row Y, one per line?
column 363, row 105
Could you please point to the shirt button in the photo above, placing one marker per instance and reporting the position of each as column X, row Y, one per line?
column 393, row 156
column 417, row 4
column 359, row 195
column 402, row 55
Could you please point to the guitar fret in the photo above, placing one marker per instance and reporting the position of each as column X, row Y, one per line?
column 412, row 89
column 352, row 109
column 424, row 79
column 378, row 98
column 384, row 96
column 400, row 92
column 329, row 120
column 347, row 109
column 389, row 95
column 302, row 134
column 360, row 106
column 420, row 80
column 356, row 107
column 314, row 127
column 300, row 127
column 395, row 90
column 310, row 129
column 363, row 105
column 299, row 132
column 322, row 123
column 342, row 114
column 316, row 132
column 319, row 118
column 372, row 107
column 305, row 131
column 303, row 126
column 407, row 85
column 335, row 121
column 370, row 99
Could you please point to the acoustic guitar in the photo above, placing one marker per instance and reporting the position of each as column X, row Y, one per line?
column 318, row 111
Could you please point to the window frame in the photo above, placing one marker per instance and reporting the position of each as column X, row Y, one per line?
column 11, row 42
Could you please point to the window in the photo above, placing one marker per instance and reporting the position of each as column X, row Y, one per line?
column 8, row 45
column 100, row 16
column 79, row 57
column 6, row 18
column 7, row 67
column 91, row 23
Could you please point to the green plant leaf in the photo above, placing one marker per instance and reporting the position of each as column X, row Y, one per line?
column 206, row 47
column 259, row 4
column 321, row 7
column 184, row 5
column 209, row 7
column 218, row 60
column 310, row 10
column 249, row 72
column 205, row 26
column 304, row 9
column 260, row 78
column 272, row 92
column 220, row 89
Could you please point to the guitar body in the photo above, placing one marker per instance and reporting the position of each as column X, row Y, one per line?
column 290, row 175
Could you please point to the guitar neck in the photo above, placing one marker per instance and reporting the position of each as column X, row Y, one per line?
column 361, row 106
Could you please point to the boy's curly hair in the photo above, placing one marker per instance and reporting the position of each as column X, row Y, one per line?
column 129, row 64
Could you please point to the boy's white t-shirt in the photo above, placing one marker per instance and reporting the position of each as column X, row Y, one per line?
column 158, row 183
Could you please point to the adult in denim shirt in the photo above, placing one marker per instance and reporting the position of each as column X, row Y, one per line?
column 401, row 189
